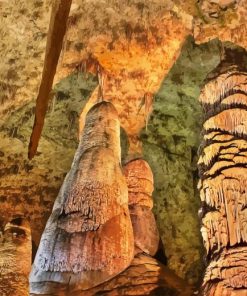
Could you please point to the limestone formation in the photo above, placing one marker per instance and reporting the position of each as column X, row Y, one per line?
column 88, row 238
column 140, row 187
column 15, row 258
column 223, row 174
column 145, row 276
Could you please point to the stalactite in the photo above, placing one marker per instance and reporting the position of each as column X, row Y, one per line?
column 223, row 174
column 15, row 258
column 140, row 186
column 89, row 237
column 57, row 30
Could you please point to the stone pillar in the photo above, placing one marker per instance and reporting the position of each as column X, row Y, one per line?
column 89, row 237
column 223, row 177
column 15, row 258
column 140, row 186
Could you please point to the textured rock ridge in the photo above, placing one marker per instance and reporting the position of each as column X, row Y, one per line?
column 223, row 177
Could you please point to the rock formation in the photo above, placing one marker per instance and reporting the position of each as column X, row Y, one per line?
column 15, row 258
column 131, row 46
column 139, row 178
column 145, row 276
column 223, row 176
column 89, row 237
column 57, row 29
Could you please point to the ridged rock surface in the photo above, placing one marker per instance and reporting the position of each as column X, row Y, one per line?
column 223, row 177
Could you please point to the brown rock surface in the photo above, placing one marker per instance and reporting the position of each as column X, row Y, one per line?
column 55, row 36
column 223, row 19
column 130, row 44
column 146, row 234
column 15, row 258
column 139, row 178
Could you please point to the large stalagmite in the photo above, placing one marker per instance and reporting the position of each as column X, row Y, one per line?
column 15, row 258
column 139, row 178
column 89, row 237
column 223, row 174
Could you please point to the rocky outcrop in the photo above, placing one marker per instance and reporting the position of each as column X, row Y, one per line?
column 15, row 257
column 88, row 238
column 222, row 168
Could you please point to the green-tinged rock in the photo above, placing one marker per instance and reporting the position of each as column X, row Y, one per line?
column 170, row 146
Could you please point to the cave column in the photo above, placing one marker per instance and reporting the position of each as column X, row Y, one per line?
column 223, row 177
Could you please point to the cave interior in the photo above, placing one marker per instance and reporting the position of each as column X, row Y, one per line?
column 123, row 147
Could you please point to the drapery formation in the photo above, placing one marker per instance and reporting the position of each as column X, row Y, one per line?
column 223, row 177
column 15, row 258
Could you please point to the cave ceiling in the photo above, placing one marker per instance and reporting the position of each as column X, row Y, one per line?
column 136, row 48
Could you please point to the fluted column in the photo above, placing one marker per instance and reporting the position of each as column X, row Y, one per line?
column 223, row 177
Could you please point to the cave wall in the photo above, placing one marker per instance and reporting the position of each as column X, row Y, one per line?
column 170, row 145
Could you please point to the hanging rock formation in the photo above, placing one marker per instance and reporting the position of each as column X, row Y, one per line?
column 57, row 29
column 89, row 237
column 140, row 186
column 15, row 258
column 223, row 174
